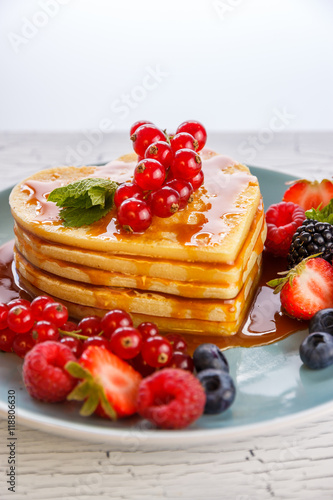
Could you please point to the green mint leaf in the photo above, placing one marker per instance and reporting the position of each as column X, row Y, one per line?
column 321, row 215
column 77, row 217
column 84, row 202
column 64, row 196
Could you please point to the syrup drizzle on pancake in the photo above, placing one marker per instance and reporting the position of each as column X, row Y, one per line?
column 205, row 226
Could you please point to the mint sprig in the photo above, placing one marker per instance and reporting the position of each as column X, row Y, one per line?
column 321, row 215
column 84, row 202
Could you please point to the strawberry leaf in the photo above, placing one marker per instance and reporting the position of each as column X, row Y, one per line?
column 77, row 371
column 80, row 392
column 277, row 283
column 109, row 410
column 90, row 404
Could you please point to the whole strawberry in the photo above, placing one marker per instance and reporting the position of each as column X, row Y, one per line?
column 307, row 288
column 44, row 372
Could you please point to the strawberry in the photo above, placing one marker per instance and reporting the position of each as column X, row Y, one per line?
column 307, row 288
column 309, row 194
column 109, row 386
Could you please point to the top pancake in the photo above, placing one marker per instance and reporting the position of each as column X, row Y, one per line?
column 212, row 228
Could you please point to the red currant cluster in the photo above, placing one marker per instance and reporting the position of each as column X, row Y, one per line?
column 168, row 172
column 24, row 324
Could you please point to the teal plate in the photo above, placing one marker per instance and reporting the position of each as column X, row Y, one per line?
column 272, row 385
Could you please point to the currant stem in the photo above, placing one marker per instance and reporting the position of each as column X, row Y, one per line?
column 75, row 334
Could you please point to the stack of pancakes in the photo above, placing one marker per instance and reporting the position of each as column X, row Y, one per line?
column 194, row 272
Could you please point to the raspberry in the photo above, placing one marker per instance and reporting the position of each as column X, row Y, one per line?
column 44, row 374
column 282, row 221
column 171, row 398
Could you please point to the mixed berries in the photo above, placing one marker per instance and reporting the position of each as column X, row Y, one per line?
column 301, row 229
column 168, row 171
column 115, row 369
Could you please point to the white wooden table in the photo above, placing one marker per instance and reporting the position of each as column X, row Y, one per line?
column 291, row 462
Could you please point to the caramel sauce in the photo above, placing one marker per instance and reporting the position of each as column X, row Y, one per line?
column 217, row 206
column 38, row 192
column 264, row 323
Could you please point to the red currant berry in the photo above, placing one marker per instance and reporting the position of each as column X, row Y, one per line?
column 75, row 345
column 44, row 330
column 186, row 165
column 134, row 215
column 23, row 344
column 98, row 341
column 162, row 152
column 177, row 341
column 198, row 180
column 196, row 129
column 183, row 140
column 69, row 326
column 144, row 136
column 184, row 189
column 126, row 342
column 3, row 316
column 127, row 190
column 90, row 326
column 138, row 124
column 112, row 320
column 182, row 361
column 164, row 202
column 141, row 366
column 6, row 339
column 149, row 174
column 38, row 305
column 156, row 351
column 20, row 319
column 18, row 302
column 148, row 329
column 55, row 313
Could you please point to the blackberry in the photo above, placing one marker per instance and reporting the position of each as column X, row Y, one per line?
column 310, row 238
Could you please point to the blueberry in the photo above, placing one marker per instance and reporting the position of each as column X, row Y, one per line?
column 316, row 350
column 209, row 356
column 322, row 321
column 219, row 388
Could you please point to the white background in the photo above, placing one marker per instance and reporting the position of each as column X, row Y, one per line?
column 80, row 64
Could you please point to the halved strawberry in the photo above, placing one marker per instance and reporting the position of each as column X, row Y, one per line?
column 307, row 288
column 109, row 386
column 309, row 194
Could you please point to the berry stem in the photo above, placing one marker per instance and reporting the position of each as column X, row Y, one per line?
column 75, row 334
